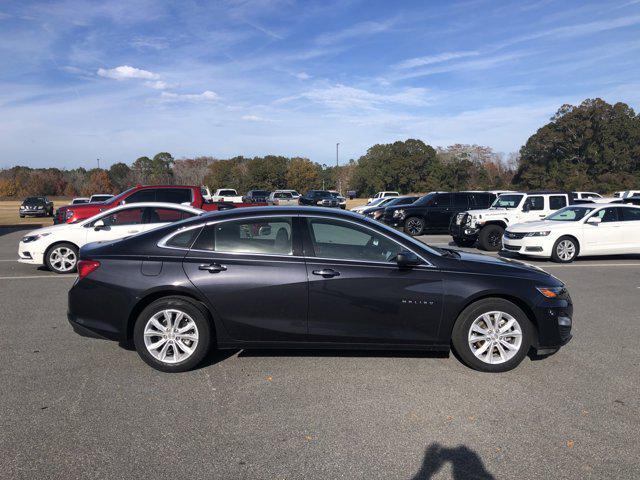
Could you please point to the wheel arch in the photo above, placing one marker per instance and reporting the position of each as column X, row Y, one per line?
column 499, row 223
column 572, row 237
column 151, row 297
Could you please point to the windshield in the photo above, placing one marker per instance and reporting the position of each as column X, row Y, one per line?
column 507, row 201
column 260, row 193
column 570, row 214
column 428, row 198
column 33, row 200
column 227, row 192
column 375, row 202
column 400, row 201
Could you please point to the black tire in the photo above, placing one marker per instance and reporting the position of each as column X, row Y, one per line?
column 558, row 256
column 21, row 216
column 199, row 316
column 490, row 238
column 414, row 226
column 459, row 336
column 464, row 242
column 51, row 263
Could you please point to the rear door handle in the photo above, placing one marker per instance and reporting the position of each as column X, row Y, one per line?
column 133, row 231
column 326, row 273
column 213, row 267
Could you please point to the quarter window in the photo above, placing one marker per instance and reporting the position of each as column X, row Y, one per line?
column 183, row 239
column 269, row 236
column 556, row 202
column 338, row 240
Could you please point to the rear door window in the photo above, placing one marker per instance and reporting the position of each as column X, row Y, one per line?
column 461, row 200
column 630, row 214
column 148, row 195
column 173, row 195
column 442, row 200
column 535, row 203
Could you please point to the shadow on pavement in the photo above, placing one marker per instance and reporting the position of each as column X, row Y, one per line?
column 465, row 463
column 6, row 229
column 342, row 353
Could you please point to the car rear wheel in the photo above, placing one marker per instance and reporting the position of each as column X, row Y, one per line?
column 492, row 335
column 62, row 258
column 172, row 334
column 565, row 250
column 414, row 226
column 490, row 238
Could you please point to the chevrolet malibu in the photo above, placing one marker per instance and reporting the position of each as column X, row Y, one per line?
column 308, row 277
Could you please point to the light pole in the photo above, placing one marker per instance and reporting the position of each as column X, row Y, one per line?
column 337, row 146
column 98, row 164
column 337, row 180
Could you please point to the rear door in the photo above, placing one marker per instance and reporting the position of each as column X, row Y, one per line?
column 357, row 293
column 439, row 213
column 253, row 275
column 630, row 231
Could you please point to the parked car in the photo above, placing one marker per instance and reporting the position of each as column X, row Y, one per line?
column 320, row 198
column 292, row 277
column 578, row 231
column 627, row 193
column 585, row 195
column 57, row 246
column 351, row 194
column 378, row 202
column 377, row 211
column 79, row 200
column 100, row 197
column 433, row 212
column 256, row 196
column 182, row 194
column 36, row 207
column 382, row 195
column 282, row 198
column 487, row 225
column 206, row 193
column 228, row 195
column 342, row 201
column 633, row 200
column 294, row 193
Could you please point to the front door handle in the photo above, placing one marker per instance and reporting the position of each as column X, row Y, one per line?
column 133, row 231
column 326, row 273
column 212, row 267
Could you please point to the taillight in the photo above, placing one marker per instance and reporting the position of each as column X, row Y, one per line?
column 85, row 267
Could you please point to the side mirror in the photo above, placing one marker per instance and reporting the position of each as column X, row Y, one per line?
column 594, row 220
column 99, row 225
column 407, row 259
column 526, row 207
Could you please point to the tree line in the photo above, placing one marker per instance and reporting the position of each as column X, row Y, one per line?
column 591, row 146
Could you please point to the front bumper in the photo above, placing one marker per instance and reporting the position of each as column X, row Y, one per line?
column 30, row 253
column 463, row 231
column 530, row 246
column 33, row 213
column 554, row 322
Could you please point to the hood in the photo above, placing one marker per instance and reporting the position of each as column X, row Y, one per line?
column 31, row 203
column 51, row 229
column 478, row 262
column 539, row 225
column 491, row 212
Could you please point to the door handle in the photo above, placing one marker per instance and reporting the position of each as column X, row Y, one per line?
column 133, row 231
column 212, row 267
column 326, row 273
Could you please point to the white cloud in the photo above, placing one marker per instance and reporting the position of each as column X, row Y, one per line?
column 125, row 72
column 363, row 29
column 341, row 96
column 157, row 85
column 439, row 58
column 302, row 76
column 254, row 118
column 206, row 96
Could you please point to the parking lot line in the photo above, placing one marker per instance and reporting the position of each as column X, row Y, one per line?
column 37, row 276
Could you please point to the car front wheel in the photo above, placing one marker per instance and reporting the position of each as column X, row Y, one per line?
column 62, row 258
column 414, row 226
column 492, row 335
column 490, row 238
column 565, row 250
column 172, row 334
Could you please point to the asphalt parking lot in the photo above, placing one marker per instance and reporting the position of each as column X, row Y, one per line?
column 73, row 407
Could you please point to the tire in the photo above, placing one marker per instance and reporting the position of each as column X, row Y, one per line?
column 565, row 250
column 464, row 242
column 62, row 258
column 499, row 361
column 164, row 311
column 414, row 226
column 21, row 216
column 490, row 238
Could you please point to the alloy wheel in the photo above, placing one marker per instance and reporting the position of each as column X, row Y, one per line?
column 495, row 337
column 495, row 239
column 170, row 336
column 414, row 226
column 63, row 259
column 566, row 250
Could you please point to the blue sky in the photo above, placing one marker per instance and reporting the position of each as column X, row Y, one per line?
column 121, row 79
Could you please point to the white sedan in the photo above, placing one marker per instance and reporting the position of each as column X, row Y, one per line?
column 578, row 230
column 57, row 246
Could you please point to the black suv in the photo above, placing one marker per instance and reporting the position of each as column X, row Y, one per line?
column 37, row 207
column 433, row 212
column 319, row 198
column 255, row 196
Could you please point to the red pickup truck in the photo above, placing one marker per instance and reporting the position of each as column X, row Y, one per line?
column 186, row 195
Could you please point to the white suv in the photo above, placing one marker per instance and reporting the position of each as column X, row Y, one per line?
column 487, row 226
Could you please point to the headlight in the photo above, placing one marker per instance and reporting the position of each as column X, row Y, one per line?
column 550, row 292
column 21, row 207
column 538, row 234
column 398, row 213
column 33, row 238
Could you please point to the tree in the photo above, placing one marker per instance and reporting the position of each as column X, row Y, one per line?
column 584, row 147
column 120, row 176
column 98, row 183
column 191, row 171
column 302, row 174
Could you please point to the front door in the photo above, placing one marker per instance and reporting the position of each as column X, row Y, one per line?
column 439, row 212
column 119, row 224
column 357, row 293
column 254, row 283
column 604, row 237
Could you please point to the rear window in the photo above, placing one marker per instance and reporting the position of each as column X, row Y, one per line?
column 173, row 195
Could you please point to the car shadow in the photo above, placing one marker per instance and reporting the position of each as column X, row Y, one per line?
column 465, row 463
column 7, row 229
column 338, row 353
column 516, row 256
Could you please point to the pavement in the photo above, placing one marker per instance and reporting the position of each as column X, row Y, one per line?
column 78, row 408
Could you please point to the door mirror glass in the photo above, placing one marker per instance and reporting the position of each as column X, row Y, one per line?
column 407, row 259
column 526, row 207
column 594, row 220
